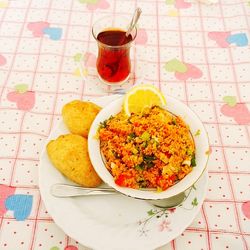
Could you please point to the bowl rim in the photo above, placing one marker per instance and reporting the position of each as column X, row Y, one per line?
column 95, row 155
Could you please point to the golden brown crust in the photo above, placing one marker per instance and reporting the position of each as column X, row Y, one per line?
column 78, row 116
column 69, row 154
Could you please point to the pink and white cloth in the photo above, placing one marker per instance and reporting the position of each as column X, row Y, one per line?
column 198, row 53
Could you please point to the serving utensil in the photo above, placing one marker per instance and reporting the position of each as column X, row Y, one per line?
column 61, row 190
column 65, row 190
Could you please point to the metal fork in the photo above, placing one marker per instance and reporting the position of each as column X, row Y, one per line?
column 60, row 190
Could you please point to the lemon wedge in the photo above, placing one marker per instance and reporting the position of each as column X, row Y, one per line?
column 142, row 96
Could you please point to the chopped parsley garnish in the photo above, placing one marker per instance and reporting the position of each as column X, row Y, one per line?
column 148, row 160
column 142, row 183
column 116, row 155
column 140, row 166
column 174, row 122
column 103, row 124
column 132, row 135
column 193, row 161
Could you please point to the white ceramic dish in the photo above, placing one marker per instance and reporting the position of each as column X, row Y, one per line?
column 174, row 106
column 115, row 222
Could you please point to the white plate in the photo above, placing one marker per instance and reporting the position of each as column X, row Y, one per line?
column 115, row 222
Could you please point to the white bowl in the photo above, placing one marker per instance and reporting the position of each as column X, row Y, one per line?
column 175, row 107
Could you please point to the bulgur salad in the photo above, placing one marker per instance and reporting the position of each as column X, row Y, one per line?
column 152, row 149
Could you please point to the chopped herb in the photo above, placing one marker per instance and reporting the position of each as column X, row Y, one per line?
column 174, row 122
column 150, row 164
column 193, row 161
column 149, row 158
column 142, row 183
column 145, row 136
column 140, row 166
column 131, row 135
column 115, row 154
column 103, row 124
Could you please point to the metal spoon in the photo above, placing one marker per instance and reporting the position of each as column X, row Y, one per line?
column 134, row 20
column 64, row 190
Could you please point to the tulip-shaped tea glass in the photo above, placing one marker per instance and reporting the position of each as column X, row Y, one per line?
column 113, row 61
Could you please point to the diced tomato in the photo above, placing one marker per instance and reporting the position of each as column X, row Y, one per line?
column 136, row 124
column 168, row 154
column 162, row 183
column 172, row 178
column 120, row 180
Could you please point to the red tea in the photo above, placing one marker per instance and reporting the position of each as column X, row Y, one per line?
column 113, row 63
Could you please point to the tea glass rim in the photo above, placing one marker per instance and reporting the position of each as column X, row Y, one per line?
column 112, row 46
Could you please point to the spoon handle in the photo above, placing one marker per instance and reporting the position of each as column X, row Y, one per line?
column 134, row 20
column 65, row 190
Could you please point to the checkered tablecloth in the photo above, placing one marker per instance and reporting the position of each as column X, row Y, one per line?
column 197, row 53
